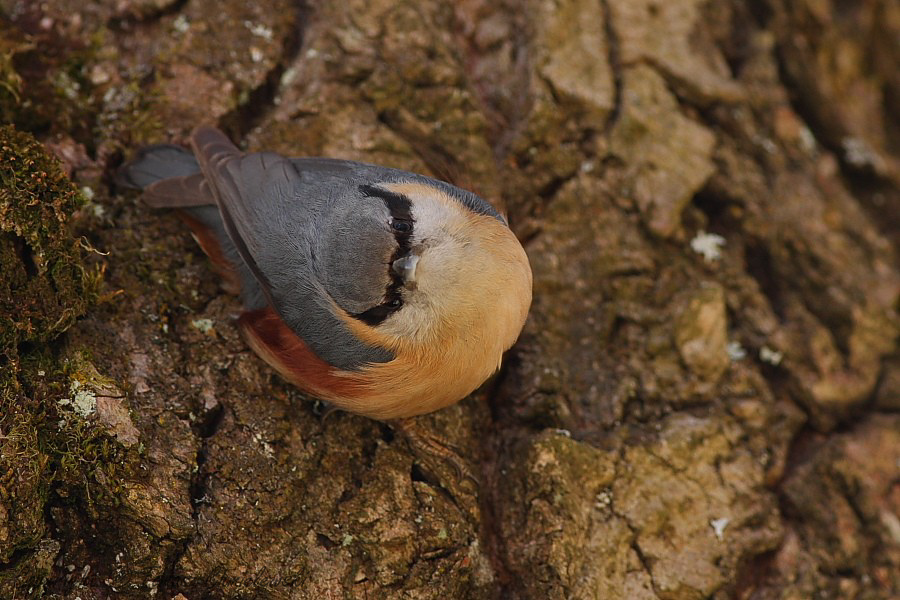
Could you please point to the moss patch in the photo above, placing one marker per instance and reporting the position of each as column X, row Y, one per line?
column 23, row 487
column 45, row 287
column 44, row 83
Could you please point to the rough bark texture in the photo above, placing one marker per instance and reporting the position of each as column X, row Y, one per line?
column 703, row 404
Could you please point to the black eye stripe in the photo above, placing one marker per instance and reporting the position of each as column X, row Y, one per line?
column 402, row 225
column 399, row 205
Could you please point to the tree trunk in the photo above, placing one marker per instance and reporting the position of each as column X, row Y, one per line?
column 703, row 404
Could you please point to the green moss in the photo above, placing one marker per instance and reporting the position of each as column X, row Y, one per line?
column 48, row 450
column 27, row 577
column 45, row 447
column 23, row 486
column 130, row 117
column 46, row 86
column 45, row 287
column 85, row 460
column 44, row 83
column 11, row 44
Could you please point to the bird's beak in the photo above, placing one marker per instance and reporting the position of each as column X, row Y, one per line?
column 405, row 267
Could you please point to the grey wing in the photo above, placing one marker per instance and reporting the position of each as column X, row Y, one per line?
column 261, row 200
column 179, row 192
column 154, row 163
column 169, row 176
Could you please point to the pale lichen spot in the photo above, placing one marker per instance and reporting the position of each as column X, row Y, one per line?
column 719, row 526
column 203, row 325
column 773, row 357
column 708, row 245
column 735, row 351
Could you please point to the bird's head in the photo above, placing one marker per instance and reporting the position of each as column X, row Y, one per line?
column 432, row 269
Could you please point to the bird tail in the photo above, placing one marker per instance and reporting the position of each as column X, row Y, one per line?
column 168, row 175
column 156, row 162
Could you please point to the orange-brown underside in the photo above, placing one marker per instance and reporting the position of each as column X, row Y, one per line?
column 278, row 345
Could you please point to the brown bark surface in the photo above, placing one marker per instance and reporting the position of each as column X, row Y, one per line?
column 703, row 404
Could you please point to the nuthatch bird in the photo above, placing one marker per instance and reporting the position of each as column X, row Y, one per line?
column 382, row 292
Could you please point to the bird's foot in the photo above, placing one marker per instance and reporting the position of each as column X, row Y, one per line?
column 429, row 446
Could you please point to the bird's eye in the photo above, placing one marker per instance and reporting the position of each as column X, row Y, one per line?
column 401, row 226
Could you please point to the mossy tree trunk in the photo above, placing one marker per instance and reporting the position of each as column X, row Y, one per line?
column 704, row 402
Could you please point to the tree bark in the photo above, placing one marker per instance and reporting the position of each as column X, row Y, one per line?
column 703, row 404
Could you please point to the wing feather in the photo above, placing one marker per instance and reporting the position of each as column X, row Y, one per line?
column 268, row 214
column 179, row 192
